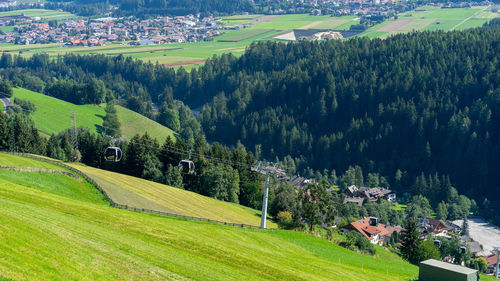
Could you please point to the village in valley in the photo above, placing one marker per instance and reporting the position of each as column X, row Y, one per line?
column 98, row 32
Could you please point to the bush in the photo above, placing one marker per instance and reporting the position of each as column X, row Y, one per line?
column 479, row 264
column 355, row 241
column 427, row 250
column 285, row 220
column 26, row 105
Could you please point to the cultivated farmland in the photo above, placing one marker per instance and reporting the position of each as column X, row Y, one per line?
column 41, row 13
column 272, row 28
column 432, row 18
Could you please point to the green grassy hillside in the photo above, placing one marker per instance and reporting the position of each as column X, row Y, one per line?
column 54, row 115
column 50, row 236
column 140, row 193
column 53, row 228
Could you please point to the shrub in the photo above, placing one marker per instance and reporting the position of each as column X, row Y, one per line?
column 26, row 105
column 479, row 264
column 285, row 220
column 355, row 241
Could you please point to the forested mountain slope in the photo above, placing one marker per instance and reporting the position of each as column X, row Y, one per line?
column 146, row 8
column 420, row 103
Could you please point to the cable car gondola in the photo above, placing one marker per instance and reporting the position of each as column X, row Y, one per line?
column 186, row 166
column 113, row 154
column 437, row 243
column 462, row 250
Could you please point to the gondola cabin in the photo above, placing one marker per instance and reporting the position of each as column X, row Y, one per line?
column 186, row 166
column 113, row 154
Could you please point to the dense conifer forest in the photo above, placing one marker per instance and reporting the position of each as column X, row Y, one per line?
column 415, row 104
column 146, row 8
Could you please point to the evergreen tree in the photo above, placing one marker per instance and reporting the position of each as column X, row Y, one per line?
column 5, row 88
column 173, row 177
column 316, row 205
column 465, row 226
column 410, row 241
column 111, row 123
column 152, row 170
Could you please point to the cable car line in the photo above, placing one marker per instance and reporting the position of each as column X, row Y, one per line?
column 113, row 149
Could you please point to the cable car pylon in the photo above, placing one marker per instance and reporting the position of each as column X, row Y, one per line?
column 267, row 169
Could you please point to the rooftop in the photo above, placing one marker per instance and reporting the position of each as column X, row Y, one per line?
column 449, row 266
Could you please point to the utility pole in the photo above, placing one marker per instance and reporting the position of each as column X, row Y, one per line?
column 497, row 251
column 264, row 204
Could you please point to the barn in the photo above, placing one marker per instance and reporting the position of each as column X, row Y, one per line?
column 433, row 270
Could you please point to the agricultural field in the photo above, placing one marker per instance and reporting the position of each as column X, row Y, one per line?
column 432, row 18
column 245, row 35
column 238, row 19
column 260, row 27
column 56, row 236
column 140, row 193
column 41, row 13
column 53, row 116
column 192, row 54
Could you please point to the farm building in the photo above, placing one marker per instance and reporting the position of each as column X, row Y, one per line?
column 433, row 270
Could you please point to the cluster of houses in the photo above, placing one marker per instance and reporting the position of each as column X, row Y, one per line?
column 429, row 228
column 368, row 194
column 97, row 32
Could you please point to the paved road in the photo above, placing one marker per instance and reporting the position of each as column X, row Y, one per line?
column 6, row 103
column 483, row 232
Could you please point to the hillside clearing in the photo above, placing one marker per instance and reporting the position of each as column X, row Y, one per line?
column 53, row 116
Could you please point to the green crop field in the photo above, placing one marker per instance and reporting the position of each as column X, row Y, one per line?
column 141, row 193
column 6, row 29
column 245, row 35
column 54, row 115
column 42, row 13
column 432, row 18
column 232, row 20
column 57, row 236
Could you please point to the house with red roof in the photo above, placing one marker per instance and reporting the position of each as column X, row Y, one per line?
column 371, row 229
column 491, row 260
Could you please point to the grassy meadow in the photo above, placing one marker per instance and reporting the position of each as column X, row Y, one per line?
column 49, row 235
column 140, row 193
column 57, row 228
column 41, row 13
column 53, row 116
column 11, row 160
